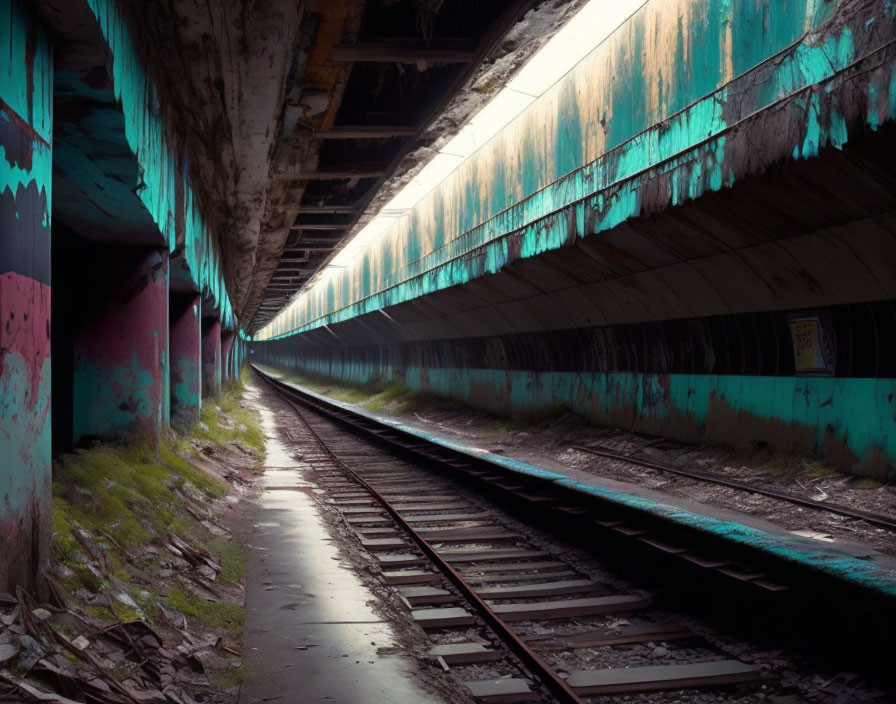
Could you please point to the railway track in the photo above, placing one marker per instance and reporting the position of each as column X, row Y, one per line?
column 875, row 519
column 508, row 613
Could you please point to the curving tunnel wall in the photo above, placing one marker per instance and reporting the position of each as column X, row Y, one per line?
column 690, row 235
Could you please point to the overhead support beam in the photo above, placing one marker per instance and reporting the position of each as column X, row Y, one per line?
column 319, row 247
column 366, row 132
column 327, row 210
column 397, row 52
column 338, row 175
column 329, row 226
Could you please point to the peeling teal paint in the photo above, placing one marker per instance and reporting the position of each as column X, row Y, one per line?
column 146, row 134
column 26, row 137
column 104, row 412
column 185, row 393
column 15, row 179
column 24, row 437
column 660, row 116
column 32, row 102
column 792, row 414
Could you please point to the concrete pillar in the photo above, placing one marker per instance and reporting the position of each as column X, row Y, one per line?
column 227, row 355
column 211, row 357
column 120, row 358
column 185, row 345
column 26, row 79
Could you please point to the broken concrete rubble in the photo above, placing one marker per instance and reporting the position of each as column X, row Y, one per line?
column 127, row 620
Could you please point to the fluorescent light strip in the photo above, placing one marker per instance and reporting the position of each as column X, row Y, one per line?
column 591, row 25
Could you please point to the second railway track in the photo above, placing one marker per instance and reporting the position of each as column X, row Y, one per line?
column 506, row 609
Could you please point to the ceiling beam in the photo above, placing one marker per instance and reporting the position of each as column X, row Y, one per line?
column 366, row 132
column 338, row 175
column 326, row 226
column 327, row 210
column 397, row 52
column 315, row 247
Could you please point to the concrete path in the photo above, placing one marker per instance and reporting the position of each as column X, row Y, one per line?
column 310, row 636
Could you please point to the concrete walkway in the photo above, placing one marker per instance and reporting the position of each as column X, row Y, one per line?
column 310, row 635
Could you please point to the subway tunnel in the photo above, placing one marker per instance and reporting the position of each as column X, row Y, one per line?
column 564, row 329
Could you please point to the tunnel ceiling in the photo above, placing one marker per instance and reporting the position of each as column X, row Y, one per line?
column 294, row 115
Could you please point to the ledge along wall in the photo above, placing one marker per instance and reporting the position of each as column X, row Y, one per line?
column 708, row 161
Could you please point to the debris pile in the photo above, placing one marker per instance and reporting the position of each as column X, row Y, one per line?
column 145, row 600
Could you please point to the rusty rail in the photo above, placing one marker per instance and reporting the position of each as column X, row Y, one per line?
column 876, row 519
column 556, row 685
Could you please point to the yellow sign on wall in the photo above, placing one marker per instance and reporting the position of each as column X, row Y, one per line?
column 809, row 348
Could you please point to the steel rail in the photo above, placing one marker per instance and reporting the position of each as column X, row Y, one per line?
column 867, row 516
column 536, row 665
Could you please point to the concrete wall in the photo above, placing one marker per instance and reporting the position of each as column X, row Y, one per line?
column 121, row 368
column 26, row 119
column 123, row 183
column 710, row 160
column 185, row 352
column 117, row 183
column 211, row 357
column 164, row 187
column 731, row 380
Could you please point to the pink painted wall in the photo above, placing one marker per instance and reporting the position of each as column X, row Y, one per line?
column 211, row 357
column 185, row 350
column 121, row 370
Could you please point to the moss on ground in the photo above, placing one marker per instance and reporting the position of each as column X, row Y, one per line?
column 125, row 493
column 113, row 499
column 209, row 613
column 794, row 465
column 232, row 677
column 866, row 484
column 232, row 556
column 339, row 390
column 228, row 420
column 376, row 395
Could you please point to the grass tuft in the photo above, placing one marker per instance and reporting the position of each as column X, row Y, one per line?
column 232, row 557
column 229, row 421
column 128, row 493
column 794, row 465
column 208, row 613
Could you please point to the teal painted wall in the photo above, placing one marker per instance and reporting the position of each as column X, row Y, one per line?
column 650, row 119
column 185, row 352
column 26, row 165
column 121, row 365
column 851, row 422
column 159, row 162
